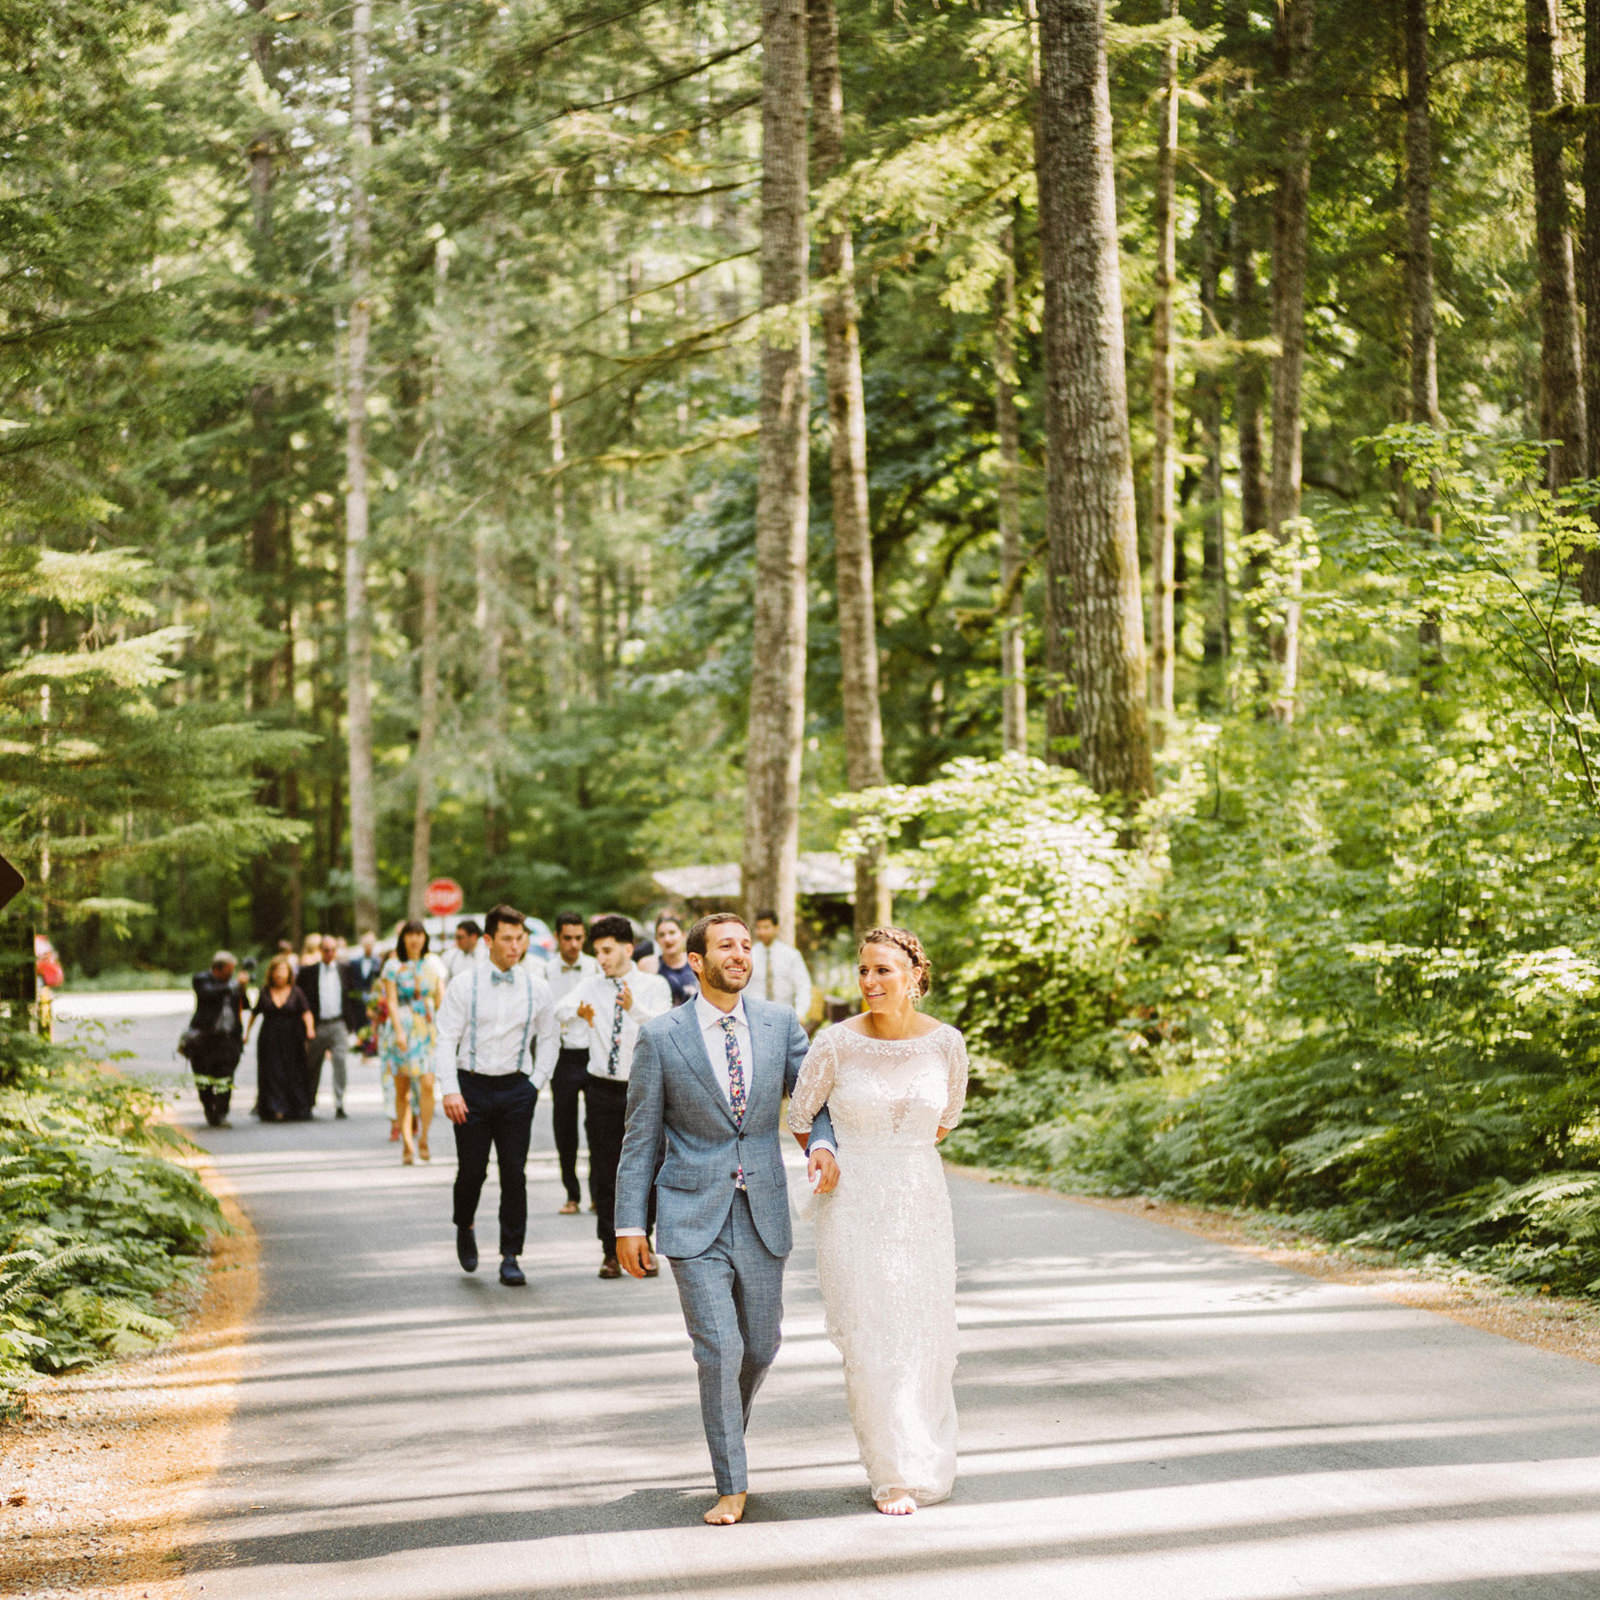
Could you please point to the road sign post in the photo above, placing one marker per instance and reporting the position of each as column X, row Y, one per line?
column 444, row 897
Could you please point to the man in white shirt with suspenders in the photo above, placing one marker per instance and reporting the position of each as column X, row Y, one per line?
column 494, row 1013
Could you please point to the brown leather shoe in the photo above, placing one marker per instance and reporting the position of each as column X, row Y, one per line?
column 570, row 1209
column 610, row 1268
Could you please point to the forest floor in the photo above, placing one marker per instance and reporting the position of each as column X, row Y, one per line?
column 100, row 1476
column 1568, row 1327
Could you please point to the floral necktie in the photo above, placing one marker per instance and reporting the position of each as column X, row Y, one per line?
column 735, row 1086
column 616, row 1029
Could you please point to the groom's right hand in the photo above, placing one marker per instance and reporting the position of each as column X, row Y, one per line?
column 633, row 1252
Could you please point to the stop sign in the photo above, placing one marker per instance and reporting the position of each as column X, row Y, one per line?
column 444, row 897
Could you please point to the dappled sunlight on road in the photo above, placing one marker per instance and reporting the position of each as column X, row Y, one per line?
column 1144, row 1414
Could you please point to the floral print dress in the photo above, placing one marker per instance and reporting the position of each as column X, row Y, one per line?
column 415, row 983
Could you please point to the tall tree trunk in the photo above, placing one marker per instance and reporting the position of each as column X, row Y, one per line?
column 1163, row 378
column 1094, row 631
column 1419, row 219
column 1217, row 635
column 489, row 544
column 778, row 667
column 486, row 619
column 428, row 634
column 427, row 734
column 271, row 675
column 1561, row 379
column 1424, row 406
column 1249, row 396
column 1008, row 428
column 296, row 930
column 1292, row 52
column 564, row 602
column 358, row 620
column 847, row 464
column 1591, row 276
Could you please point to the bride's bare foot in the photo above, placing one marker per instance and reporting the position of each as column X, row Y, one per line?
column 896, row 1505
column 728, row 1510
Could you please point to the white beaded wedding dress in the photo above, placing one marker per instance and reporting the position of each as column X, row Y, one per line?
column 886, row 1248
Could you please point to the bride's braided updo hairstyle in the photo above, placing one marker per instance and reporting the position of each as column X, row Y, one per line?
column 911, row 946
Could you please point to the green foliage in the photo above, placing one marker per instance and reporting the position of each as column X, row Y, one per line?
column 1032, row 900
column 102, row 1228
column 1355, row 979
column 94, row 773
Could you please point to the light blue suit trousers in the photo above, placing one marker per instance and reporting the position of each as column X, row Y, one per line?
column 727, row 1247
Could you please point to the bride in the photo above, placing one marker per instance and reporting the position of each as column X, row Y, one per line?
column 894, row 1083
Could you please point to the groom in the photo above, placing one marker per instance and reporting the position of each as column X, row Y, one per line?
column 703, row 1096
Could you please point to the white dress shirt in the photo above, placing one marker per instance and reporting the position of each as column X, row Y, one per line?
column 487, row 1026
column 456, row 960
column 563, row 980
column 330, row 993
column 652, row 997
column 778, row 973
column 715, row 1038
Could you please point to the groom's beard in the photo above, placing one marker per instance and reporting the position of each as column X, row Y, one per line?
column 718, row 977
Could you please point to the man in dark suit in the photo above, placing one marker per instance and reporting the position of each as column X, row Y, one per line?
column 215, row 1039
column 366, row 968
column 333, row 992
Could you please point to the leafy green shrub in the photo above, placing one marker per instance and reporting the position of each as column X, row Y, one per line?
column 1031, row 900
column 1350, row 970
column 100, row 1227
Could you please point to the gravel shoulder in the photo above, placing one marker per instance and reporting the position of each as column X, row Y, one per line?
column 101, row 1474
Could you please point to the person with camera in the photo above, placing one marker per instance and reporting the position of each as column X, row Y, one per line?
column 214, row 1039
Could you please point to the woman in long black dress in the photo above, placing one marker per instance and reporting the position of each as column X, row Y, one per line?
column 286, row 1027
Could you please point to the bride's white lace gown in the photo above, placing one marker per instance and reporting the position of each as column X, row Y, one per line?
column 885, row 1245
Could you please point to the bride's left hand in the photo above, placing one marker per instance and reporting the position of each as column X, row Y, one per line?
column 822, row 1161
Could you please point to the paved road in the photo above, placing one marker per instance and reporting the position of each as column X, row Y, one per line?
column 1143, row 1415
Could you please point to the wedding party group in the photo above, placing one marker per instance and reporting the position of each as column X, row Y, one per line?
column 687, row 1163
column 680, row 1056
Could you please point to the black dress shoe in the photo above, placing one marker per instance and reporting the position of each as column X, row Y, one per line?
column 610, row 1268
column 467, row 1249
column 511, row 1274
column 338, row 1114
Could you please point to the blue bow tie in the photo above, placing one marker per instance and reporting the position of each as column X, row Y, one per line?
column 497, row 976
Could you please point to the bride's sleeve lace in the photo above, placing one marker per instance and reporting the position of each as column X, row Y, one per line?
column 814, row 1085
column 955, row 1054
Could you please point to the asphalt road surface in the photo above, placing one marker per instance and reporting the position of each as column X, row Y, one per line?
column 1143, row 1414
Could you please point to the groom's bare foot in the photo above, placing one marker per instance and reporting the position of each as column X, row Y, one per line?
column 727, row 1511
column 896, row 1505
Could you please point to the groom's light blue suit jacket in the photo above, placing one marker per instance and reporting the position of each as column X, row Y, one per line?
column 678, row 1114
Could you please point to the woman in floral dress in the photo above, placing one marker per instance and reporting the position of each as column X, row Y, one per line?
column 413, row 986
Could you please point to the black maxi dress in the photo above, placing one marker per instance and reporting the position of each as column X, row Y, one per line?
column 281, row 1085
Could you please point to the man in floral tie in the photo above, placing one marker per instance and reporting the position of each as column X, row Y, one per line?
column 706, row 1083
column 614, row 1004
